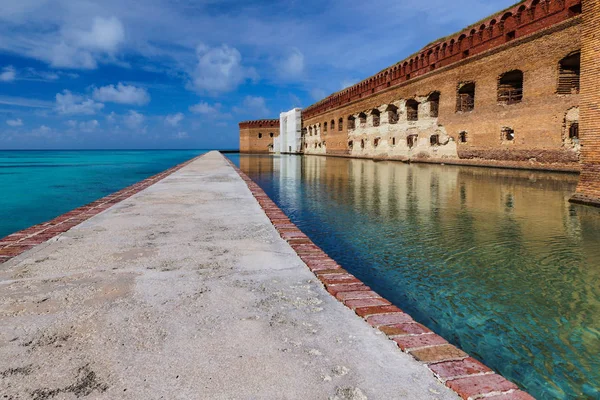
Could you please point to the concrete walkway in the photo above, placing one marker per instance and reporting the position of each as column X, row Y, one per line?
column 186, row 291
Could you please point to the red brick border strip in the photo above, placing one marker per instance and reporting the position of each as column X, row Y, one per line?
column 466, row 376
column 21, row 241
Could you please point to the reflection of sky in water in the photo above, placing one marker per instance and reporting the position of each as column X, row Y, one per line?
column 496, row 261
column 36, row 186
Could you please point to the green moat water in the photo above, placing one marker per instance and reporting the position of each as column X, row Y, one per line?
column 496, row 261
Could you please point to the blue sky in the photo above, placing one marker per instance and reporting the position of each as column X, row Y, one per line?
column 84, row 74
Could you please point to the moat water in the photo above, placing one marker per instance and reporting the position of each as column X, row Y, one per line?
column 496, row 261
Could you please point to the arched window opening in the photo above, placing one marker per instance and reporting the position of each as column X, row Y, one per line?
column 465, row 100
column 350, row 144
column 508, row 134
column 392, row 112
column 568, row 74
column 351, row 123
column 270, row 147
column 376, row 117
column 315, row 145
column 574, row 131
column 271, row 134
column 310, row 130
column 462, row 137
column 376, row 142
column 260, row 135
column 434, row 140
column 332, row 125
column 411, row 141
column 362, row 143
column 324, row 126
column 362, row 118
column 412, row 110
column 340, row 124
column 510, row 87
column 434, row 104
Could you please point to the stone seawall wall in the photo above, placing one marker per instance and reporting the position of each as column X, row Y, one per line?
column 588, row 190
column 540, row 122
column 257, row 136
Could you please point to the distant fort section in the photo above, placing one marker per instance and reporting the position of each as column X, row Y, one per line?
column 258, row 136
column 505, row 91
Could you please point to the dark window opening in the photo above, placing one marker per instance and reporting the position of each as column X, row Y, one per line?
column 271, row 134
column 575, row 10
column 508, row 134
column 324, row 126
column 351, row 122
column 332, row 125
column 362, row 118
column 510, row 36
column 465, row 54
column 568, row 74
column 412, row 110
column 462, row 137
column 411, row 141
column 434, row 104
column 341, row 124
column 574, row 131
column 432, row 67
column 350, row 144
column 310, row 131
column 392, row 111
column 362, row 144
column 407, row 76
column 393, row 141
column 260, row 135
column 376, row 117
column 465, row 101
column 510, row 87
column 434, row 140
column 376, row 142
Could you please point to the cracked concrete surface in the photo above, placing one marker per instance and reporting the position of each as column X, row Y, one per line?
column 186, row 291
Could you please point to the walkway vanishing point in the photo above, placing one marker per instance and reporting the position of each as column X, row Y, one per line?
column 187, row 291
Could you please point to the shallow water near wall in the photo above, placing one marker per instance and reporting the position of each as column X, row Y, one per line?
column 496, row 261
column 36, row 186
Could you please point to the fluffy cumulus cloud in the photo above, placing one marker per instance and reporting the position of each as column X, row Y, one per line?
column 174, row 119
column 219, row 69
column 8, row 74
column 82, row 48
column 254, row 105
column 72, row 104
column 204, row 108
column 122, row 94
column 14, row 122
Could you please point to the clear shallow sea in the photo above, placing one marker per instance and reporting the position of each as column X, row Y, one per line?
column 496, row 261
column 36, row 186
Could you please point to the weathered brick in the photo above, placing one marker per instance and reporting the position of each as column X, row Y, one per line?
column 480, row 385
column 356, row 294
column 404, row 329
column 338, row 279
column 352, row 287
column 516, row 395
column 453, row 369
column 374, row 310
column 415, row 342
column 389, row 319
column 445, row 352
column 366, row 303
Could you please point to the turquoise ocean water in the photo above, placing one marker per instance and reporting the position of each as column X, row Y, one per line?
column 36, row 186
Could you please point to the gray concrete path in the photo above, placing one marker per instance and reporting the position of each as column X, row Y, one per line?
column 186, row 291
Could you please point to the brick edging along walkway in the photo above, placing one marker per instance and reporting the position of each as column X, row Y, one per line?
column 21, row 241
column 466, row 376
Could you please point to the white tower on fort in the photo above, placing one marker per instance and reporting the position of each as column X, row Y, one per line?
column 290, row 131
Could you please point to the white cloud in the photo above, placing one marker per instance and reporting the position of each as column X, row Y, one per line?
column 181, row 135
column 317, row 94
column 71, row 104
column 122, row 94
column 134, row 119
column 253, row 105
column 106, row 35
column 204, row 108
column 8, row 74
column 14, row 122
column 292, row 66
column 174, row 119
column 111, row 118
column 88, row 126
column 219, row 69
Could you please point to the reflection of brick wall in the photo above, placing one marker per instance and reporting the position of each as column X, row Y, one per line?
column 588, row 190
column 255, row 136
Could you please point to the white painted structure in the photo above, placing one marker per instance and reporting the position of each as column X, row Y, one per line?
column 290, row 131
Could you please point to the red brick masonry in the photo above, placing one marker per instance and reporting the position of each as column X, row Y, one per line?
column 21, row 241
column 469, row 378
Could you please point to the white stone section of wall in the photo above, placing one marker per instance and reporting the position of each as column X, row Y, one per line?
column 313, row 142
column 290, row 131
